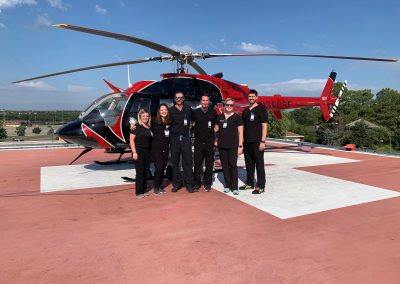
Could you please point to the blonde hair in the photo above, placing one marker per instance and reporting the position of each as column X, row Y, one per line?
column 229, row 99
column 142, row 111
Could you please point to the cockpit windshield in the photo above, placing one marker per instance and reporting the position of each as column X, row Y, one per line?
column 108, row 107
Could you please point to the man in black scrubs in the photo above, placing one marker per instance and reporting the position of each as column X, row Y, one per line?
column 255, row 121
column 204, row 135
column 181, row 146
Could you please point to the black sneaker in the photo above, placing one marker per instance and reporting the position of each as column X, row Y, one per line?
column 246, row 187
column 258, row 190
column 196, row 188
column 207, row 188
column 175, row 189
column 162, row 190
column 156, row 190
column 190, row 189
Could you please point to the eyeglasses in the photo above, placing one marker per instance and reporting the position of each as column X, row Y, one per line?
column 178, row 98
column 229, row 105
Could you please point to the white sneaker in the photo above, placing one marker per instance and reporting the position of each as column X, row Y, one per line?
column 226, row 190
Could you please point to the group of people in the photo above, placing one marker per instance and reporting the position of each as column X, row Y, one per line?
column 232, row 134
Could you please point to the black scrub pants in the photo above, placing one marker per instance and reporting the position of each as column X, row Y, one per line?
column 254, row 158
column 203, row 151
column 160, row 159
column 142, row 165
column 229, row 158
column 181, row 147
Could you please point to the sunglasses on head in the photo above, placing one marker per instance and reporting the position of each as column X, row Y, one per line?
column 229, row 105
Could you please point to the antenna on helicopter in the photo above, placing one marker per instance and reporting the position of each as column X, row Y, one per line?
column 129, row 78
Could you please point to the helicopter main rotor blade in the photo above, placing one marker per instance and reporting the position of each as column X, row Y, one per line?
column 214, row 55
column 147, row 43
column 160, row 58
column 197, row 68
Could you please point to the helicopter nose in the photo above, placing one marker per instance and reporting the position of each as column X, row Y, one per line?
column 70, row 130
column 72, row 133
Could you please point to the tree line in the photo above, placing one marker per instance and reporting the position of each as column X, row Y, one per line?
column 40, row 117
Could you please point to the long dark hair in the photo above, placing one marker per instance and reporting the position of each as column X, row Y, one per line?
column 159, row 118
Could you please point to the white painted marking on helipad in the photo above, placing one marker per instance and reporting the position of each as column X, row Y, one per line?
column 72, row 177
column 292, row 193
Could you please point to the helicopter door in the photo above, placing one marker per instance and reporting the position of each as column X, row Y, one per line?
column 134, row 104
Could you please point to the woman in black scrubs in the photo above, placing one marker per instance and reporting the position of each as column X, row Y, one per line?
column 160, row 149
column 140, row 140
column 230, row 144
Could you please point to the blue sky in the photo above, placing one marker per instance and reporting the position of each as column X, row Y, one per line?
column 30, row 46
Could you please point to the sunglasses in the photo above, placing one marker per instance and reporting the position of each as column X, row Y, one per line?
column 178, row 98
column 229, row 105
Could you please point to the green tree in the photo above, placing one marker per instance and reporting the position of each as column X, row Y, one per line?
column 36, row 130
column 20, row 130
column 278, row 128
column 3, row 132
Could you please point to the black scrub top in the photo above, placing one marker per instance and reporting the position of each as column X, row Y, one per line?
column 204, row 124
column 161, row 138
column 228, row 137
column 143, row 136
column 177, row 120
column 252, row 131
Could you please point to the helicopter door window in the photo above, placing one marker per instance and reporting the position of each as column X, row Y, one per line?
column 168, row 102
column 140, row 103
column 193, row 104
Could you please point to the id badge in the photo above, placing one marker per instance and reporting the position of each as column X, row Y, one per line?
column 209, row 124
column 252, row 117
column 151, row 133
column 166, row 132
column 132, row 120
column 185, row 122
column 225, row 124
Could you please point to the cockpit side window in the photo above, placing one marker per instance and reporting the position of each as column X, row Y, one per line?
column 107, row 108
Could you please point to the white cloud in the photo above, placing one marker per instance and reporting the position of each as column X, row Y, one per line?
column 38, row 85
column 42, row 21
column 182, row 48
column 8, row 4
column 250, row 47
column 57, row 4
column 2, row 25
column 101, row 10
column 293, row 86
column 78, row 89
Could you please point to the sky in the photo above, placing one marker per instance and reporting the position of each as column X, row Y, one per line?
column 30, row 46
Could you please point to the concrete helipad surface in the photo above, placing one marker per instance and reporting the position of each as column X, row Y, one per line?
column 327, row 217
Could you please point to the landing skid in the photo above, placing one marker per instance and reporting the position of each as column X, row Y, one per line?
column 118, row 161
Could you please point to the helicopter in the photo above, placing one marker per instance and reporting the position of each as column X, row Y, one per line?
column 105, row 124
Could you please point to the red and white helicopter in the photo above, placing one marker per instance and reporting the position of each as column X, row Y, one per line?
column 105, row 123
